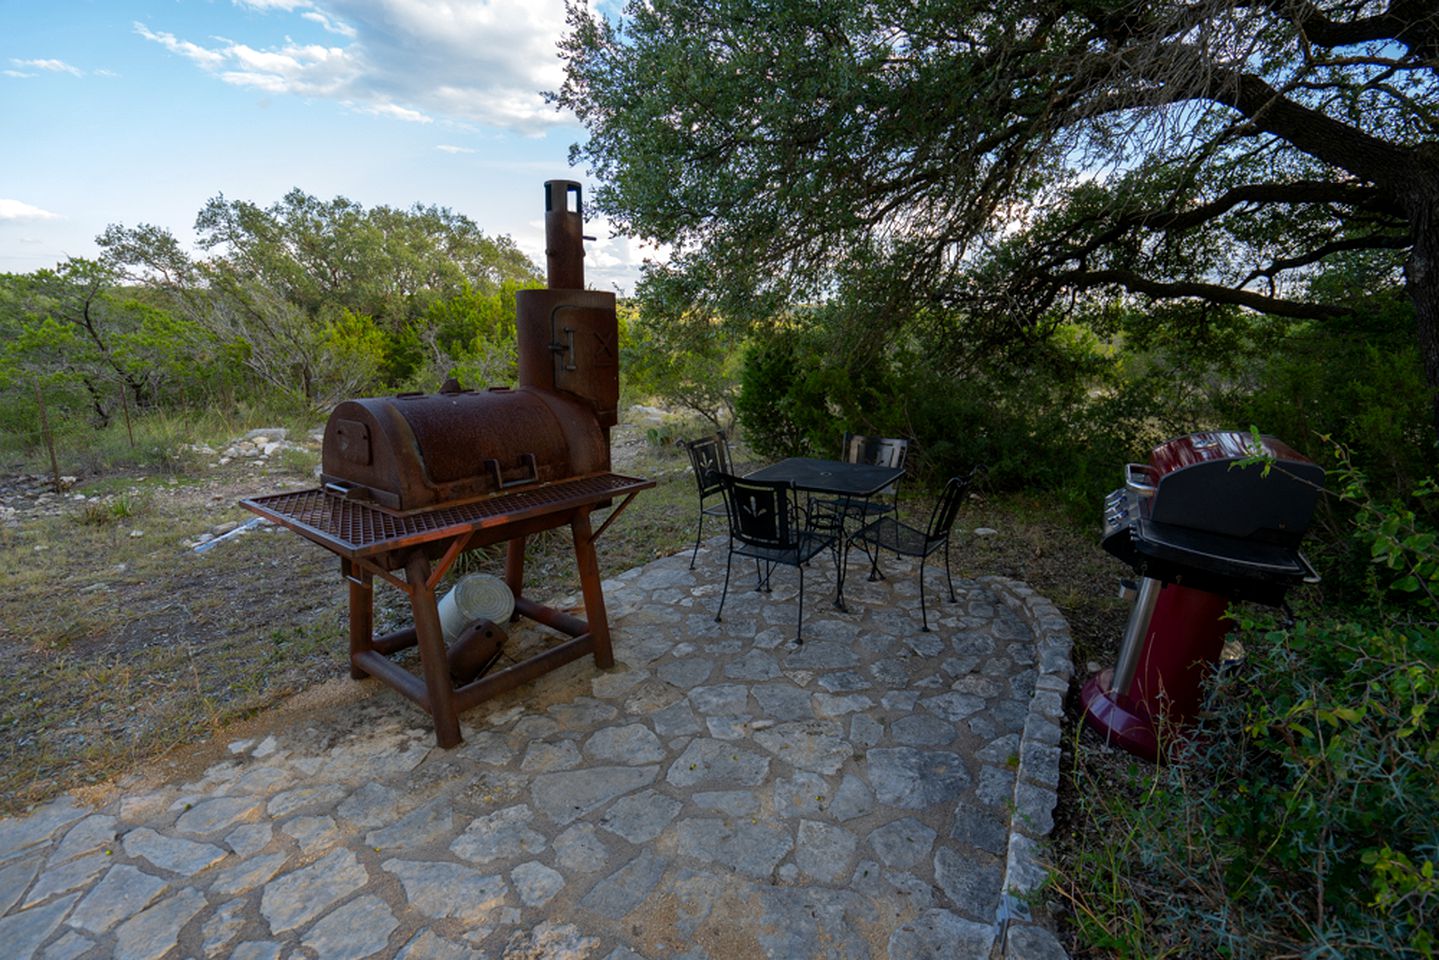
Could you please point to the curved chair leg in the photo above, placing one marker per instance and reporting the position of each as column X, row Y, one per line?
column 874, row 572
column 923, row 614
column 699, row 533
column 947, row 578
column 799, row 625
column 729, row 558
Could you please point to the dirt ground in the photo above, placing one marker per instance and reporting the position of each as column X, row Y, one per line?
column 120, row 640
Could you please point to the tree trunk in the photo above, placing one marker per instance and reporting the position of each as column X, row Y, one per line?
column 102, row 416
column 1421, row 272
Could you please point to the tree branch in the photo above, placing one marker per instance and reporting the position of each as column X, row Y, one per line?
column 1368, row 242
column 1410, row 22
column 1213, row 292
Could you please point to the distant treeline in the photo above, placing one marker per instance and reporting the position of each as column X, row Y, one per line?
column 297, row 304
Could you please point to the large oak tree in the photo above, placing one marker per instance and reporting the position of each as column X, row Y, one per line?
column 1000, row 161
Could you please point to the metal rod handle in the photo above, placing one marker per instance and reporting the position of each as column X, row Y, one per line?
column 1134, row 631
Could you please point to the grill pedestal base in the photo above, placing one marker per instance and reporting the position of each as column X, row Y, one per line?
column 1117, row 722
column 1171, row 644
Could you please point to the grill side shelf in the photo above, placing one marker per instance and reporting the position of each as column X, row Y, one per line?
column 354, row 529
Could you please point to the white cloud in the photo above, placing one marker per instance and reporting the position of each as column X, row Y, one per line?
column 105, row 73
column 53, row 66
column 482, row 61
column 451, row 148
column 397, row 112
column 15, row 210
column 330, row 26
column 195, row 52
column 267, row 5
column 18, row 73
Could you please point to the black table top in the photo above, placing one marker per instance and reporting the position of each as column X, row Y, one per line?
column 830, row 476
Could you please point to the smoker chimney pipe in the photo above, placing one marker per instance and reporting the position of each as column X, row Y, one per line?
column 564, row 236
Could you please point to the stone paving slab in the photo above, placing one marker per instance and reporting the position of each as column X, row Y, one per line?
column 878, row 792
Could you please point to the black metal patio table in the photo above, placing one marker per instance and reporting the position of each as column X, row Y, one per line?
column 836, row 478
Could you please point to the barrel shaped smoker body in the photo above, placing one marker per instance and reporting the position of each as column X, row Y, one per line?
column 1200, row 530
column 414, row 451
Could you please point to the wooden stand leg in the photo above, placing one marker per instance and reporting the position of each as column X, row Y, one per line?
column 515, row 569
column 362, row 619
column 431, row 641
column 590, row 586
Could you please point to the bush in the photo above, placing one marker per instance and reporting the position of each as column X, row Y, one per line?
column 1037, row 421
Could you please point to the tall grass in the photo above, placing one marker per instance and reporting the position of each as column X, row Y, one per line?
column 162, row 441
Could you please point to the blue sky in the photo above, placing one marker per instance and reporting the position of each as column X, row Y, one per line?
column 138, row 111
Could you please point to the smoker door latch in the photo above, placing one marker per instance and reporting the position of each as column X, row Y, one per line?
column 565, row 348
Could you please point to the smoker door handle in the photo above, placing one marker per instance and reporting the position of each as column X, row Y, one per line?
column 1310, row 574
column 564, row 347
column 528, row 459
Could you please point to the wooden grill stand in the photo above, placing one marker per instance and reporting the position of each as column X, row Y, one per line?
column 373, row 542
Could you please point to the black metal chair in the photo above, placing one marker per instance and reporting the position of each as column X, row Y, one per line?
column 709, row 457
column 765, row 523
column 888, row 533
column 831, row 513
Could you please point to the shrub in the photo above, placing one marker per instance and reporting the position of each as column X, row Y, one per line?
column 1055, row 418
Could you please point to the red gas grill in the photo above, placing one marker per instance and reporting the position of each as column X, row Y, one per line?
column 1200, row 531
column 413, row 481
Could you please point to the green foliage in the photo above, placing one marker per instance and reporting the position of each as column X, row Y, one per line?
column 994, row 167
column 469, row 336
column 1300, row 818
column 1361, row 382
column 283, row 286
column 1056, row 417
column 353, row 351
column 94, row 346
column 691, row 362
column 782, row 404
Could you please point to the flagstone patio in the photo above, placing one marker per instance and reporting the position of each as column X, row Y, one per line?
column 878, row 792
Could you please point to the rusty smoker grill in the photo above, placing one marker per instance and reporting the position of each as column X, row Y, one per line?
column 412, row 482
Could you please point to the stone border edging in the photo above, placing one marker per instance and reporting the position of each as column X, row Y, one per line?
column 1036, row 782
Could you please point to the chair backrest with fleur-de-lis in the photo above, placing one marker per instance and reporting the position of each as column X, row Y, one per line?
column 761, row 513
column 709, row 457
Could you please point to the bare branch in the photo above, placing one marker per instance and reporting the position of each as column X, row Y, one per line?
column 1213, row 292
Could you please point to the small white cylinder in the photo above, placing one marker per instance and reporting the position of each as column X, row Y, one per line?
column 475, row 596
